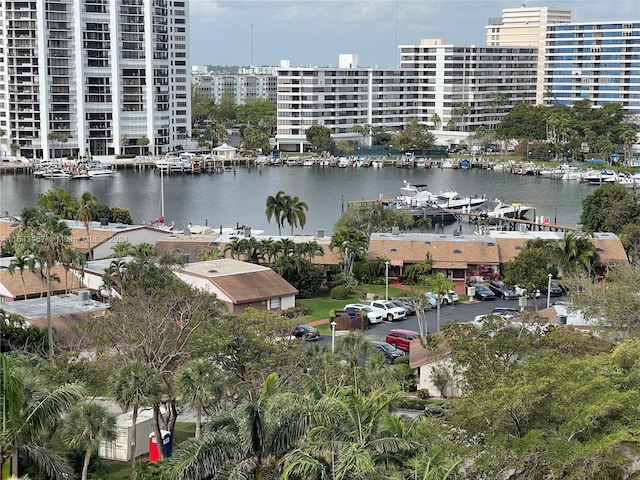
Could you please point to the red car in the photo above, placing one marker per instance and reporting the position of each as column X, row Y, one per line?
column 401, row 339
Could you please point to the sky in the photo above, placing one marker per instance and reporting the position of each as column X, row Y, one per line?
column 315, row 32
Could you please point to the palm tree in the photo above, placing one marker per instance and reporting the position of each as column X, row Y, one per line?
column 85, row 427
column 350, row 438
column 436, row 120
column 275, row 208
column 30, row 409
column 353, row 245
column 363, row 130
column 144, row 251
column 45, row 238
column 122, row 249
column 21, row 262
column 209, row 253
column 270, row 249
column 201, row 384
column 136, row 384
column 234, row 248
column 86, row 209
column 575, row 253
column 245, row 440
column 294, row 212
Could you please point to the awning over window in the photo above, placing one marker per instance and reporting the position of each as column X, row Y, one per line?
column 397, row 263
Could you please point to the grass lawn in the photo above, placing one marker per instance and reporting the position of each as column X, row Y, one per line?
column 320, row 305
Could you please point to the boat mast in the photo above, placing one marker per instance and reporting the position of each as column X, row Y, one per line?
column 162, row 193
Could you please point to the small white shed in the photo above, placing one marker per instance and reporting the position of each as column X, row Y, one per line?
column 119, row 450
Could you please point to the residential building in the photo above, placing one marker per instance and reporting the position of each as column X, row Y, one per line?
column 240, row 285
column 342, row 98
column 98, row 77
column 527, row 27
column 469, row 84
column 599, row 61
column 245, row 85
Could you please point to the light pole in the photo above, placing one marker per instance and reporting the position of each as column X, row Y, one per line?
column 386, row 280
column 333, row 336
column 549, row 291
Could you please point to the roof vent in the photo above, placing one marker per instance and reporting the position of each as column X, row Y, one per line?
column 457, row 251
column 491, row 244
column 212, row 271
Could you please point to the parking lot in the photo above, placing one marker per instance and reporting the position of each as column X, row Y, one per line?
column 460, row 312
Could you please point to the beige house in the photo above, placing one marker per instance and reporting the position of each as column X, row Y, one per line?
column 225, row 152
column 430, row 364
column 240, row 284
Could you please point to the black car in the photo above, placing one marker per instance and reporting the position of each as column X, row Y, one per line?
column 555, row 290
column 501, row 290
column 306, row 332
column 390, row 352
column 482, row 292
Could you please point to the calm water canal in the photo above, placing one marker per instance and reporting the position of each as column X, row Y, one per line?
column 229, row 198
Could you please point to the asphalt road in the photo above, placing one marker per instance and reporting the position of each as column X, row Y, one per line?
column 460, row 312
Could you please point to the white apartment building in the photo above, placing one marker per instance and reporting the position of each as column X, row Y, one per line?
column 599, row 61
column 93, row 77
column 471, row 85
column 246, row 85
column 341, row 98
column 526, row 27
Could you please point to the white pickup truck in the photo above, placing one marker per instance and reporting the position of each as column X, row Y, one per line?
column 389, row 310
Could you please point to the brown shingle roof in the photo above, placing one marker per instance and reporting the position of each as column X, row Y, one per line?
column 35, row 283
column 419, row 355
column 445, row 251
column 254, row 286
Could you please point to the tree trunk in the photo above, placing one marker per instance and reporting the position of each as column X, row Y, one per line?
column 156, row 430
column 49, row 322
column 198, row 421
column 14, row 463
column 132, row 445
column 85, row 465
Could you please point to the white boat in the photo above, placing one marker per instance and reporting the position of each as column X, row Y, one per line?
column 100, row 172
column 599, row 177
column 508, row 210
column 624, row 179
column 324, row 163
column 53, row 173
column 172, row 164
column 308, row 162
column 343, row 162
column 418, row 196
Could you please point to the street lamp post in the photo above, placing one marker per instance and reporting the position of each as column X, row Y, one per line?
column 549, row 291
column 333, row 336
column 386, row 280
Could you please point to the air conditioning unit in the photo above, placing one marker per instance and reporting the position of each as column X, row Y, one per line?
column 320, row 233
column 395, row 230
column 84, row 296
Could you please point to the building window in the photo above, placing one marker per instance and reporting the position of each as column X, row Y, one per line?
column 274, row 304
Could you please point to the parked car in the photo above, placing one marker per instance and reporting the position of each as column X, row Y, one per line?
column 401, row 339
column 555, row 290
column 506, row 312
column 522, row 292
column 432, row 299
column 408, row 306
column 450, row 297
column 390, row 352
column 482, row 292
column 373, row 316
column 414, row 301
column 501, row 290
column 306, row 332
column 389, row 310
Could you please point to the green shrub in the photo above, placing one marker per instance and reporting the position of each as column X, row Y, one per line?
column 296, row 312
column 339, row 292
column 126, row 155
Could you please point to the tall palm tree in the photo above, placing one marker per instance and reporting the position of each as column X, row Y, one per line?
column 352, row 244
column 294, row 212
column 275, row 207
column 86, row 208
column 46, row 238
column 440, row 285
column 350, row 438
column 144, row 251
column 201, row 384
column 85, row 427
column 30, row 408
column 245, row 440
column 136, row 384
column 575, row 253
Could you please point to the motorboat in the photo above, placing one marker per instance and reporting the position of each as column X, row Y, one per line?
column 100, row 171
column 599, row 177
column 437, row 215
column 172, row 164
column 418, row 196
column 54, row 172
column 508, row 210
column 625, row 179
